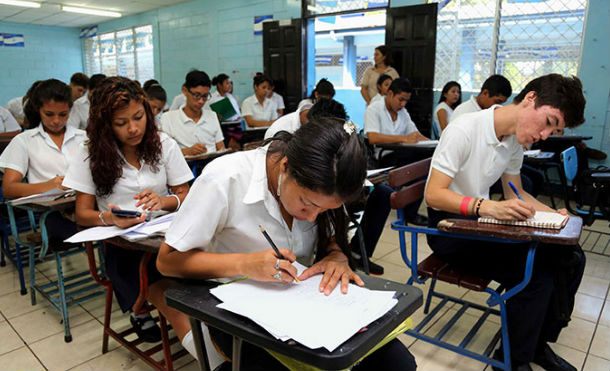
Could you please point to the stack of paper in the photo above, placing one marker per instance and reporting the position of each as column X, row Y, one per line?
column 301, row 312
column 138, row 231
column 51, row 195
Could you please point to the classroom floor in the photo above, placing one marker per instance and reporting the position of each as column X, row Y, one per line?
column 32, row 336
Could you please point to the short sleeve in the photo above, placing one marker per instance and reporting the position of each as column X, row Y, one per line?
column 392, row 73
column 371, row 120
column 202, row 214
column 246, row 107
column 410, row 125
column 516, row 161
column 178, row 171
column 8, row 121
column 78, row 176
column 274, row 109
column 366, row 77
column 280, row 102
column 452, row 151
column 219, row 137
column 15, row 155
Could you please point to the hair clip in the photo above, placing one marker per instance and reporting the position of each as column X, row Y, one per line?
column 349, row 127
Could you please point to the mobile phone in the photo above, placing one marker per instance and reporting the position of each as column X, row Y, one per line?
column 126, row 213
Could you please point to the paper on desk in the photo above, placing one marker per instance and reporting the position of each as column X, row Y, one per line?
column 299, row 311
column 377, row 171
column 46, row 196
column 531, row 153
column 101, row 233
column 426, row 143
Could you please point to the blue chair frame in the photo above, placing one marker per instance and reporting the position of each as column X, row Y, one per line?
column 81, row 284
column 496, row 296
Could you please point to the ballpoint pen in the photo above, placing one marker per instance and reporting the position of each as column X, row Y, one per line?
column 277, row 251
column 512, row 186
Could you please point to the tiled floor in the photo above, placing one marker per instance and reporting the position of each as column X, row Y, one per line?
column 32, row 336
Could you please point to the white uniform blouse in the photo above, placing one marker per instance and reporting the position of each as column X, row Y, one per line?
column 265, row 112
column 7, row 122
column 227, row 203
column 187, row 132
column 290, row 123
column 34, row 154
column 436, row 122
column 79, row 114
column 172, row 171
column 15, row 107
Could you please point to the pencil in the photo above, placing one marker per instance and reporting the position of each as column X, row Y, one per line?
column 277, row 251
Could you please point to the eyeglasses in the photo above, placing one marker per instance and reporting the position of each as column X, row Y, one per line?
column 198, row 96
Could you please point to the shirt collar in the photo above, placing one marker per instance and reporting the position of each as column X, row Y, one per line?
column 70, row 132
column 185, row 119
column 490, row 132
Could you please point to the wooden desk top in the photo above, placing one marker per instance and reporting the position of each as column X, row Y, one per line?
column 568, row 235
column 59, row 205
column 402, row 146
column 208, row 156
column 151, row 244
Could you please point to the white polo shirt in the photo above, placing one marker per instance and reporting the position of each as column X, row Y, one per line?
column 7, row 121
column 377, row 119
column 471, row 154
column 34, row 154
column 307, row 102
column 79, row 114
column 278, row 100
column 265, row 112
column 436, row 122
column 187, row 132
column 470, row 105
column 227, row 203
column 172, row 171
column 178, row 102
column 376, row 98
column 216, row 97
column 290, row 123
column 15, row 107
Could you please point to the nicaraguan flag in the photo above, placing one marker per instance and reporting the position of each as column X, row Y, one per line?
column 258, row 23
column 13, row 40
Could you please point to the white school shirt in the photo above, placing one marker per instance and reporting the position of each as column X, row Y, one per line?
column 227, row 203
column 307, row 102
column 470, row 153
column 377, row 119
column 376, row 98
column 216, row 97
column 278, row 100
column 187, row 132
column 437, row 123
column 178, row 102
column 7, row 121
column 34, row 154
column 290, row 123
column 79, row 114
column 172, row 171
column 469, row 106
column 265, row 112
column 15, row 107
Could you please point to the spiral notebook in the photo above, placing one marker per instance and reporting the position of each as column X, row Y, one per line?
column 542, row 219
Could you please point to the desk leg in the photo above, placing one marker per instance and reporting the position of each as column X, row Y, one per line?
column 236, row 359
column 202, row 356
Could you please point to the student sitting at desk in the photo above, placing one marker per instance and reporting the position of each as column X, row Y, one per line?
column 276, row 98
column 79, row 114
column 474, row 151
column 157, row 97
column 258, row 110
column 495, row 90
column 383, row 84
column 295, row 187
column 128, row 164
column 451, row 97
column 196, row 130
column 291, row 122
column 223, row 85
column 79, row 83
column 42, row 154
column 9, row 127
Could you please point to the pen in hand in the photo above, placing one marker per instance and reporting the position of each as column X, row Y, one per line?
column 277, row 251
column 512, row 186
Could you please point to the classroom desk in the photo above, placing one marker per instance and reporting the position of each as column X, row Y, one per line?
column 194, row 299
column 559, row 143
column 418, row 150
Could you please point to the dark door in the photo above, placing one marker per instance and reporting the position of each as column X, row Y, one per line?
column 411, row 34
column 282, row 59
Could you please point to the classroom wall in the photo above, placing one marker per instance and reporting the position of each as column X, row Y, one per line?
column 48, row 52
column 214, row 36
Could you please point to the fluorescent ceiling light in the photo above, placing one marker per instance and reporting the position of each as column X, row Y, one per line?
column 26, row 4
column 103, row 13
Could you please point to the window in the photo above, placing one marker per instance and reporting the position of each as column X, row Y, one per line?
column 126, row 53
column 520, row 39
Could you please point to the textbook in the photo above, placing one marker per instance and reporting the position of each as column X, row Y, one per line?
column 224, row 108
column 542, row 219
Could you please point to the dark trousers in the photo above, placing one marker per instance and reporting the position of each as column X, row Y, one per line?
column 531, row 313
column 392, row 356
column 59, row 229
column 376, row 213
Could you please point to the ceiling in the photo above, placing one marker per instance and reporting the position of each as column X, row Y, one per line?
column 49, row 13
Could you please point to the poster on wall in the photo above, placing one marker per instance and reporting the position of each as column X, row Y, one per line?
column 88, row 32
column 258, row 23
column 12, row 40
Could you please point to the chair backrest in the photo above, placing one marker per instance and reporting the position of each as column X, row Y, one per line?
column 569, row 160
column 436, row 131
column 413, row 178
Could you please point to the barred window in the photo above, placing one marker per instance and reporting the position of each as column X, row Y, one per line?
column 126, row 53
column 520, row 39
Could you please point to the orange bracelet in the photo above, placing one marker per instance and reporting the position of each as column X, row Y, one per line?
column 464, row 205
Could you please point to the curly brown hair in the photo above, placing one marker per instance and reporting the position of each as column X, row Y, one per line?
column 106, row 162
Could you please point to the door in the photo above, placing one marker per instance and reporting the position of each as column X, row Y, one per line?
column 411, row 35
column 282, row 43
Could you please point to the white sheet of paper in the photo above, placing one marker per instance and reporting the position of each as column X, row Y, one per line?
column 377, row 171
column 46, row 196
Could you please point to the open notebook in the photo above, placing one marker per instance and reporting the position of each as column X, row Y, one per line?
column 542, row 219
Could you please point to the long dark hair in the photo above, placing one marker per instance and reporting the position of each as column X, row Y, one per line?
column 323, row 87
column 106, row 162
column 446, row 89
column 42, row 92
column 324, row 158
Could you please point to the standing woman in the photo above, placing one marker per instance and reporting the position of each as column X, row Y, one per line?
column 128, row 164
column 258, row 110
column 451, row 97
column 295, row 187
column 223, row 86
column 42, row 154
column 383, row 65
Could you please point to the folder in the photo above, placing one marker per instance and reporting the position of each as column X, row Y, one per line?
column 224, row 108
